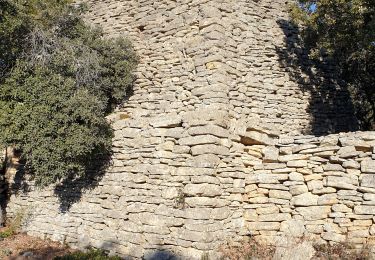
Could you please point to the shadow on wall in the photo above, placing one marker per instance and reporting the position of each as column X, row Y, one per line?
column 71, row 189
column 330, row 105
column 160, row 253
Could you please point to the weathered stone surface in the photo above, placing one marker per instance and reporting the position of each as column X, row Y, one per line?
column 305, row 199
column 206, row 190
column 271, row 154
column 368, row 166
column 208, row 130
column 314, row 212
column 254, row 226
column 274, row 217
column 279, row 194
column 299, row 189
column 351, row 165
column 297, row 164
column 347, row 152
column 331, row 236
column 365, row 210
column 204, row 161
column 199, row 139
column 272, row 209
column 294, row 228
column 296, row 176
column 209, row 148
column 341, row 182
column 328, row 199
column 167, row 121
column 368, row 180
column 333, row 167
column 253, row 138
column 293, row 157
column 294, row 250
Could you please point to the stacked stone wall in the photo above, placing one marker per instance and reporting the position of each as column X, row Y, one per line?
column 209, row 148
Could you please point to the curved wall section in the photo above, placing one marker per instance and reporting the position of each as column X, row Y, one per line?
column 209, row 147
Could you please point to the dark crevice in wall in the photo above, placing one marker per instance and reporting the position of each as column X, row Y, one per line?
column 330, row 106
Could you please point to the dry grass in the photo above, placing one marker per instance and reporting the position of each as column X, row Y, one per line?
column 250, row 250
column 21, row 246
column 341, row 251
column 247, row 250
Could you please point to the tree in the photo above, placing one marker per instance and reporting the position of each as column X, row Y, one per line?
column 60, row 79
column 344, row 30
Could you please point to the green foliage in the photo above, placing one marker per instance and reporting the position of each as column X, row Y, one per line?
column 90, row 255
column 60, row 84
column 345, row 31
column 13, row 226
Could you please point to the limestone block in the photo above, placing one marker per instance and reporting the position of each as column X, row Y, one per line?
column 255, row 226
column 302, row 147
column 365, row 210
column 333, row 167
column 351, row 164
column 262, row 178
column 251, row 215
column 293, row 157
column 206, row 202
column 325, row 190
column 328, row 199
column 347, row 152
column 271, row 154
column 362, row 222
column 315, row 185
column 298, row 189
column 369, row 196
column 368, row 166
column 274, row 217
column 206, row 190
column 253, row 138
column 296, row 176
column 268, row 209
column 305, row 199
column 249, row 160
column 205, row 179
column 294, row 228
column 209, row 130
column 331, row 236
column 341, row 182
column 209, row 148
column 314, row 212
column 359, row 144
column 293, row 250
column 279, row 194
column 297, row 164
column 199, row 139
column 204, row 161
column 368, row 180
column 320, row 149
column 166, row 121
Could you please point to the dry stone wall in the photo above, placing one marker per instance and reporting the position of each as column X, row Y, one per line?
column 209, row 148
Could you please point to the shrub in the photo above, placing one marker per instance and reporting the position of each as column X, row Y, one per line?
column 13, row 226
column 345, row 32
column 245, row 250
column 55, row 97
column 341, row 251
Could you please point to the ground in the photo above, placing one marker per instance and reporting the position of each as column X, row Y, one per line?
column 22, row 246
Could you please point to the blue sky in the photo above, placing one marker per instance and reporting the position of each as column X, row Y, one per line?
column 313, row 7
